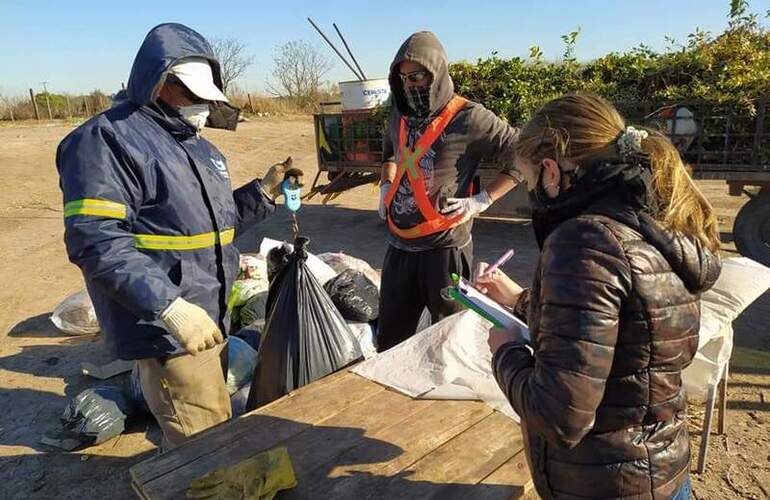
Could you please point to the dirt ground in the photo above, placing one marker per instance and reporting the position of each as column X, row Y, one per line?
column 39, row 366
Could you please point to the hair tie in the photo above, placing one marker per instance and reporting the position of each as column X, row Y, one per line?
column 630, row 142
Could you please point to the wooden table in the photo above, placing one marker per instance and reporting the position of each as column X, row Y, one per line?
column 349, row 437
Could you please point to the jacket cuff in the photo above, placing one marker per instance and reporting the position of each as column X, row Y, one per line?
column 521, row 307
column 253, row 205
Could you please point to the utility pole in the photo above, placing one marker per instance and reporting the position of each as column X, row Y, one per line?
column 34, row 104
column 47, row 102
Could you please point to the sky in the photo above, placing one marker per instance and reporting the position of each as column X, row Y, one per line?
column 78, row 46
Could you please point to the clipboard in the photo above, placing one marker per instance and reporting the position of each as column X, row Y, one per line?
column 470, row 298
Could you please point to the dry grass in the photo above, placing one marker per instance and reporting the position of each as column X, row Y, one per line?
column 262, row 105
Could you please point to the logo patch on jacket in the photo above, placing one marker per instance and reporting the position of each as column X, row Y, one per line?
column 221, row 167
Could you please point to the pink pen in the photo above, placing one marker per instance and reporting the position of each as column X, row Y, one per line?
column 502, row 260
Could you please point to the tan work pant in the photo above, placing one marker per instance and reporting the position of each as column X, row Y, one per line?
column 186, row 394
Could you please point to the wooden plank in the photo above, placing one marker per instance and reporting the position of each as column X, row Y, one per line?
column 138, row 491
column 362, row 471
column 454, row 469
column 319, row 449
column 512, row 480
column 348, row 437
column 168, row 475
column 157, row 466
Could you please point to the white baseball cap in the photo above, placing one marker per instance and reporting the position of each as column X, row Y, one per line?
column 195, row 73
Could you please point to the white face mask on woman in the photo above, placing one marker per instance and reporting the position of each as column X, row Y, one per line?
column 196, row 115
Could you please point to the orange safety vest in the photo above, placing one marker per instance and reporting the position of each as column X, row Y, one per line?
column 409, row 164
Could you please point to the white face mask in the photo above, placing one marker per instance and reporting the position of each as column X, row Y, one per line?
column 195, row 114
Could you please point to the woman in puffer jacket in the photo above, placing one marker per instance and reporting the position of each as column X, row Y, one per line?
column 628, row 244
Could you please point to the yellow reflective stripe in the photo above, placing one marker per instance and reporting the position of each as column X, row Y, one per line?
column 205, row 240
column 227, row 236
column 99, row 208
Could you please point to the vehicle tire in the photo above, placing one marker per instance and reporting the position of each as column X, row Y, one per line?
column 751, row 230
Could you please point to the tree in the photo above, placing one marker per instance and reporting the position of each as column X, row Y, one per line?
column 9, row 104
column 232, row 58
column 297, row 73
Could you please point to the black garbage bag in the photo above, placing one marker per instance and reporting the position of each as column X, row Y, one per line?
column 277, row 259
column 135, row 391
column 96, row 415
column 305, row 337
column 355, row 296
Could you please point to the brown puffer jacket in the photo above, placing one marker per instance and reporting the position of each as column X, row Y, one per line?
column 614, row 313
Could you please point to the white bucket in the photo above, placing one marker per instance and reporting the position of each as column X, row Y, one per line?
column 366, row 94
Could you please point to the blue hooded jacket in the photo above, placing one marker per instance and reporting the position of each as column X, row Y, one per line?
column 149, row 212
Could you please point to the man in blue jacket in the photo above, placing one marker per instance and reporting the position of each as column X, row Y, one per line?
column 150, row 218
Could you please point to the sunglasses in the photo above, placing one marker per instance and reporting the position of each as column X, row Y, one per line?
column 414, row 76
column 173, row 79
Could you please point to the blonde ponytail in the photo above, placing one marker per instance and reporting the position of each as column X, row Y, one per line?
column 681, row 206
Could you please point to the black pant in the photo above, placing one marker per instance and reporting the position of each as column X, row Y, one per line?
column 412, row 281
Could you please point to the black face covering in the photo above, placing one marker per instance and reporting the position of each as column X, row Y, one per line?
column 418, row 100
column 541, row 195
column 631, row 181
column 222, row 115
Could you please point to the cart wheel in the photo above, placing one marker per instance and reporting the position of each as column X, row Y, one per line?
column 752, row 229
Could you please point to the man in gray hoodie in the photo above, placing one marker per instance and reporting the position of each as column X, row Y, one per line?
column 433, row 146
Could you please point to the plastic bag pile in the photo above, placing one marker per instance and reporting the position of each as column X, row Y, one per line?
column 351, row 284
column 305, row 336
column 324, row 318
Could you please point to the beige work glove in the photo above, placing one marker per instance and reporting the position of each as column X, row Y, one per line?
column 383, row 210
column 467, row 208
column 191, row 326
column 271, row 183
column 260, row 477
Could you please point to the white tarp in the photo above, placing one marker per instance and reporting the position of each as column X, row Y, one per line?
column 741, row 282
column 451, row 359
column 448, row 360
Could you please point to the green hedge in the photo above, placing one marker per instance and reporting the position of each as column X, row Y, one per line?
column 732, row 67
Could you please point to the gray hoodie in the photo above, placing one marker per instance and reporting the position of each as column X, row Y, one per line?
column 474, row 134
